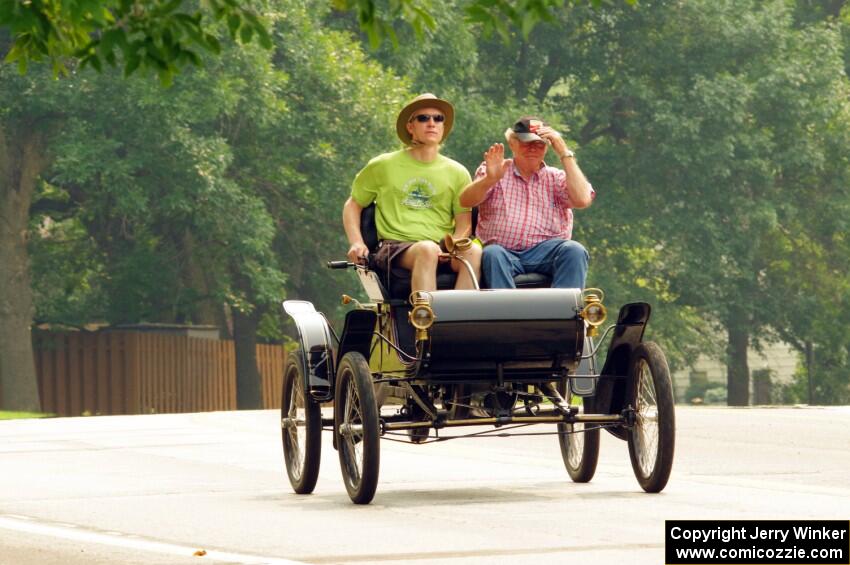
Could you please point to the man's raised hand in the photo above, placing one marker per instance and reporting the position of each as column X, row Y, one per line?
column 494, row 159
column 553, row 138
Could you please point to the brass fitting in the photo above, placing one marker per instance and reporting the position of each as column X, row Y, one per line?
column 594, row 312
column 421, row 316
column 458, row 245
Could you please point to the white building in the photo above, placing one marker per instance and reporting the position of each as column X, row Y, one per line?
column 779, row 358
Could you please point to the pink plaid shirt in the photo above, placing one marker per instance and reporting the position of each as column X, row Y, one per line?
column 518, row 215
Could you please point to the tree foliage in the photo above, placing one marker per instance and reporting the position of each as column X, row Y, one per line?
column 211, row 193
column 715, row 134
column 161, row 35
column 165, row 35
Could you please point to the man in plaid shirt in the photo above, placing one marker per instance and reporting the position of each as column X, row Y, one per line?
column 525, row 208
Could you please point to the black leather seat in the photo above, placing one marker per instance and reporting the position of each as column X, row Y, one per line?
column 397, row 281
column 533, row 280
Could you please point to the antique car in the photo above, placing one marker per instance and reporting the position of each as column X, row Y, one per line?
column 423, row 364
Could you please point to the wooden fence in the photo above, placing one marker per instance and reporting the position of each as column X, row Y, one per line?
column 121, row 372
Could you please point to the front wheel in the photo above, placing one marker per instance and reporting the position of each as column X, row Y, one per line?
column 653, row 436
column 356, row 427
column 301, row 428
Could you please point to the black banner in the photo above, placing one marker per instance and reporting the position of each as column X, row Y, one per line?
column 757, row 542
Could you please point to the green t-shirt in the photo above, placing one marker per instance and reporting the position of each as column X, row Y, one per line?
column 415, row 201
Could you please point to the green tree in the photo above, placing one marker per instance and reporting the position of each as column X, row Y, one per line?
column 160, row 35
column 24, row 137
column 209, row 188
column 164, row 35
column 702, row 125
column 719, row 119
column 150, row 177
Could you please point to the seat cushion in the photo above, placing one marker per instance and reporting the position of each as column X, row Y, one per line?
column 533, row 280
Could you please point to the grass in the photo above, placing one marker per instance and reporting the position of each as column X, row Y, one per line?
column 6, row 415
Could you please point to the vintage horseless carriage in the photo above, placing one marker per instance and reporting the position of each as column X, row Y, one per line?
column 450, row 359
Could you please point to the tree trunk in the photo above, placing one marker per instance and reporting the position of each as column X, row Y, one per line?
column 249, row 395
column 834, row 7
column 206, row 310
column 21, row 162
column 521, row 81
column 810, row 366
column 737, row 369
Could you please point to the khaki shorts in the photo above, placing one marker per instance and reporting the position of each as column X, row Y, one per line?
column 388, row 251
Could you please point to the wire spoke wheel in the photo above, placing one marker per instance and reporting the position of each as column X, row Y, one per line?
column 356, row 427
column 301, row 428
column 646, row 407
column 652, row 438
column 579, row 449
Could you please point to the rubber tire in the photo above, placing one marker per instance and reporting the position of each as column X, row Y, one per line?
column 353, row 374
column 418, row 435
column 303, row 480
column 585, row 469
column 651, row 356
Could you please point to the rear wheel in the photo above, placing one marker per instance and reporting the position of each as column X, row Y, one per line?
column 301, row 428
column 417, row 435
column 456, row 401
column 579, row 447
column 652, row 438
column 356, row 427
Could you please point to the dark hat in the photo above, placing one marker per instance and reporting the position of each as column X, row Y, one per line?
column 426, row 100
column 526, row 127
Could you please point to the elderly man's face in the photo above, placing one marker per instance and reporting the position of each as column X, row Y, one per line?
column 528, row 155
column 426, row 126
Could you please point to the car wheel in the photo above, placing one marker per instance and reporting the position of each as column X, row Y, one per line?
column 653, row 436
column 356, row 427
column 579, row 447
column 301, row 427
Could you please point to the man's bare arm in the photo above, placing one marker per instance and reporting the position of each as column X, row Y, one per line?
column 351, row 211
column 578, row 189
column 463, row 225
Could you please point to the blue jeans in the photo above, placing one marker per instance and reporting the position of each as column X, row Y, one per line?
column 562, row 259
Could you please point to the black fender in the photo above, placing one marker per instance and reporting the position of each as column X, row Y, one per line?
column 613, row 385
column 317, row 348
column 357, row 333
column 356, row 336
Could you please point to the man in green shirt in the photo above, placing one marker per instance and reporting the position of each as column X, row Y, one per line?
column 416, row 191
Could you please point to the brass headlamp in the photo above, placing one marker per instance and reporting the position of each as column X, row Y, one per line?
column 421, row 316
column 594, row 312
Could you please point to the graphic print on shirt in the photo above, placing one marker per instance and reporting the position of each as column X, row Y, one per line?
column 418, row 193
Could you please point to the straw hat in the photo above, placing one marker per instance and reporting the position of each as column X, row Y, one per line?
column 426, row 100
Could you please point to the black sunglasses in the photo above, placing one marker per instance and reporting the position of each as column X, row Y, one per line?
column 422, row 118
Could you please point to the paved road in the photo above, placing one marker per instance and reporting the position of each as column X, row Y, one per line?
column 155, row 489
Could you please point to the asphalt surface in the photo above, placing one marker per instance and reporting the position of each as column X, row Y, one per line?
column 156, row 489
